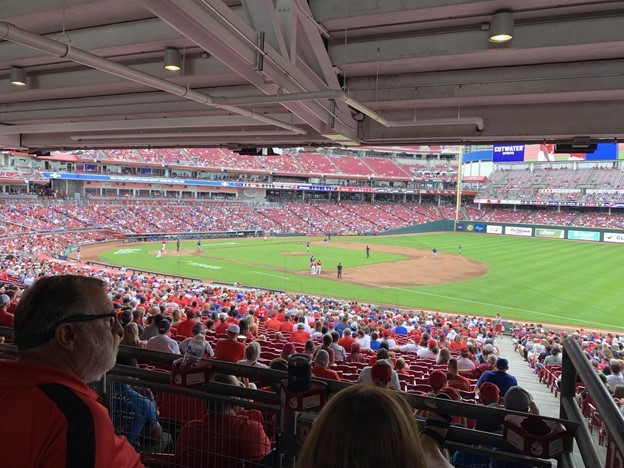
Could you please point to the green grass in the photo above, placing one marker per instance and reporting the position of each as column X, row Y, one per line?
column 529, row 279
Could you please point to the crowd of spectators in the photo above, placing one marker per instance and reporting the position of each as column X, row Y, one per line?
column 563, row 185
column 407, row 350
column 50, row 226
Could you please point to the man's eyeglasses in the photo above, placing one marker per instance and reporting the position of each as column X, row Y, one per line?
column 112, row 319
column 26, row 342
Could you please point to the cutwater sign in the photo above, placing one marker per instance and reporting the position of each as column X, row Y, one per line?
column 555, row 233
column 616, row 237
column 507, row 153
column 584, row 235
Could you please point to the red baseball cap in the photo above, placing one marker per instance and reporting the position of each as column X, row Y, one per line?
column 381, row 372
column 488, row 393
column 437, row 379
column 452, row 393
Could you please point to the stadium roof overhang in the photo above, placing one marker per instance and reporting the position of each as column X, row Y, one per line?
column 297, row 73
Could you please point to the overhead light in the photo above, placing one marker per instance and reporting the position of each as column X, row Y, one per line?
column 173, row 61
column 18, row 76
column 501, row 27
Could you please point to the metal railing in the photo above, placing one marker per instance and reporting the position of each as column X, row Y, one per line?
column 459, row 438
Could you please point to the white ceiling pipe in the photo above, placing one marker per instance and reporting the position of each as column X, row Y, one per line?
column 113, row 136
column 478, row 121
column 343, row 96
column 12, row 33
column 284, row 97
column 59, row 49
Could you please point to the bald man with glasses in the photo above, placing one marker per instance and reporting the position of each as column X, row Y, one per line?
column 67, row 336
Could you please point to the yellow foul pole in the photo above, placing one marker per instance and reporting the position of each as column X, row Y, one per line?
column 459, row 186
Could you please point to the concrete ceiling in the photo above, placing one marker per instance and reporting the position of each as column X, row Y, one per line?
column 410, row 71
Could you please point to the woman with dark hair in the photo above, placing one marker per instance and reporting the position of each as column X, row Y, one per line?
column 309, row 347
column 327, row 341
column 244, row 330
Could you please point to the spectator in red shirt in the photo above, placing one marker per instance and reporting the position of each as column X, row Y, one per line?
column 299, row 335
column 272, row 323
column 230, row 349
column 287, row 325
column 455, row 380
column 347, row 340
column 67, row 336
column 185, row 328
column 6, row 318
column 224, row 437
column 321, row 364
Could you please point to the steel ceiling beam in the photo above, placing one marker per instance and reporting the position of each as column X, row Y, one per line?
column 215, row 28
column 14, row 34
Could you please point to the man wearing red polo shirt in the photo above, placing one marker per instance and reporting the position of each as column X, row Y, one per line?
column 67, row 336
column 299, row 335
column 273, row 323
column 230, row 349
column 186, row 326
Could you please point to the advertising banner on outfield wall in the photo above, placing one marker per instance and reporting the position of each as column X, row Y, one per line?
column 617, row 237
column 460, row 227
column 479, row 228
column 493, row 229
column 518, row 231
column 553, row 233
column 584, row 235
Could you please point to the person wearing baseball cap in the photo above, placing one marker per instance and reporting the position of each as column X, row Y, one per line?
column 437, row 380
column 489, row 394
column 499, row 376
column 519, row 399
column 163, row 342
column 366, row 375
column 229, row 348
column 381, row 374
column 431, row 351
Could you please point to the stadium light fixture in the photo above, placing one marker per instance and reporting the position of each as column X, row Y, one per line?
column 501, row 27
column 18, row 76
column 173, row 60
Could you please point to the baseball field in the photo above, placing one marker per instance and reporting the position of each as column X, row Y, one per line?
column 525, row 279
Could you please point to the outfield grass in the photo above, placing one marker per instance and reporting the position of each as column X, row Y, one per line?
column 529, row 279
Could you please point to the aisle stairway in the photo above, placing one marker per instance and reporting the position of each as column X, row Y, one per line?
column 547, row 403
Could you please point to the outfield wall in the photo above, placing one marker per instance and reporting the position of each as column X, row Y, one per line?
column 543, row 231
column 435, row 226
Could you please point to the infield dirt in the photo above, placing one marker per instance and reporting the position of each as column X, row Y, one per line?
column 418, row 269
